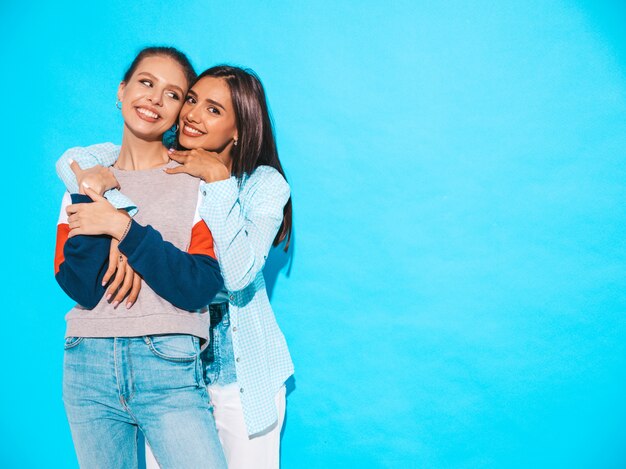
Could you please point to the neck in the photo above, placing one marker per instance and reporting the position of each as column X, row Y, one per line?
column 137, row 154
column 224, row 155
column 228, row 162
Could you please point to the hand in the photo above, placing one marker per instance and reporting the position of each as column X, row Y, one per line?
column 99, row 178
column 97, row 218
column 207, row 165
column 125, row 278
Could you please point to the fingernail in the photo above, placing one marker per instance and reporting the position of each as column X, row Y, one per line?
column 115, row 303
column 103, row 284
column 109, row 296
column 128, row 305
column 70, row 160
column 170, row 150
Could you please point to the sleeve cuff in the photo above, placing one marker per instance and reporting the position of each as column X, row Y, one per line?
column 218, row 196
column 133, row 238
column 81, row 199
column 223, row 187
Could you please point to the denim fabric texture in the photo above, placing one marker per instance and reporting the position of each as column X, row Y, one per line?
column 218, row 357
column 113, row 387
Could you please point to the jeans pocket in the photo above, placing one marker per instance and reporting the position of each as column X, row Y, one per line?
column 174, row 347
column 71, row 342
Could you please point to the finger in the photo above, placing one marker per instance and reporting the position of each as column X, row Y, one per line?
column 74, row 224
column 72, row 208
column 125, row 288
column 75, row 167
column 179, row 158
column 93, row 195
column 113, row 256
column 109, row 273
column 179, row 152
column 177, row 170
column 75, row 232
column 117, row 280
column 134, row 293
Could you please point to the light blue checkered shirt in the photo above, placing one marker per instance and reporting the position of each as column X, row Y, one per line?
column 244, row 219
column 104, row 154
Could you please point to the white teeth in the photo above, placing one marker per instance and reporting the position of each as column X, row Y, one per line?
column 147, row 113
column 191, row 130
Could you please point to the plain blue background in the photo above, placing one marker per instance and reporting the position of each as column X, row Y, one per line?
column 457, row 289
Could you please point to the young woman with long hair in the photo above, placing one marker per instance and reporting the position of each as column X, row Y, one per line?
column 140, row 369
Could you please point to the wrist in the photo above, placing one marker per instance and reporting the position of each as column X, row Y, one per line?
column 120, row 225
column 216, row 174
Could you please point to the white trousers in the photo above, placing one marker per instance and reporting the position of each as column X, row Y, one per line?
column 261, row 451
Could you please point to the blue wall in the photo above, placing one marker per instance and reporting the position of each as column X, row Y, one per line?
column 456, row 295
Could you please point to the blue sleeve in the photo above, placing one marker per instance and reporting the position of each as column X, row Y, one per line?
column 86, row 259
column 103, row 154
column 188, row 281
column 244, row 222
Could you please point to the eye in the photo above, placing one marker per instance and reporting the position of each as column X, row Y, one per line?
column 173, row 95
column 190, row 100
column 146, row 83
column 213, row 110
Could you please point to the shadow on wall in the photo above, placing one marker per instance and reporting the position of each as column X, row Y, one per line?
column 276, row 261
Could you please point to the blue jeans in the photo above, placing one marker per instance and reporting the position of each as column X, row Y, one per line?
column 114, row 386
column 218, row 357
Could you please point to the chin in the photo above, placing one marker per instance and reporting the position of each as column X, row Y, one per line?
column 189, row 142
column 148, row 135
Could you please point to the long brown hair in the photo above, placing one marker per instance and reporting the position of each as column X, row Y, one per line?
column 256, row 143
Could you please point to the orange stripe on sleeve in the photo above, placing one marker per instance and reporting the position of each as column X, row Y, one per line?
column 201, row 240
column 63, row 230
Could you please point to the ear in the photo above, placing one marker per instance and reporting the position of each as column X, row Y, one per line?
column 120, row 91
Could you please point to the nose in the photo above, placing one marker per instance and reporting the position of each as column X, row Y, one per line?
column 191, row 116
column 156, row 97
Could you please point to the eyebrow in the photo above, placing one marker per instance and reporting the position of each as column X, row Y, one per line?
column 208, row 100
column 168, row 85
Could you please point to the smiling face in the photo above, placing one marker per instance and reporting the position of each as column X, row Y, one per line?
column 152, row 97
column 207, row 119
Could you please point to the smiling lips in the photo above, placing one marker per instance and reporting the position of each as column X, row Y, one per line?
column 191, row 131
column 147, row 114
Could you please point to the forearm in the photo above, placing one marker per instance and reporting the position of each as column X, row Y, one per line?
column 188, row 281
column 242, row 240
column 87, row 157
column 82, row 265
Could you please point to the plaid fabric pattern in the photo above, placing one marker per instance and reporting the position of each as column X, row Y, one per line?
column 103, row 154
column 244, row 220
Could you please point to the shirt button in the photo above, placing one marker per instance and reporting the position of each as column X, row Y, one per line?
column 241, row 390
column 204, row 193
column 238, row 359
column 231, row 297
column 234, row 328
